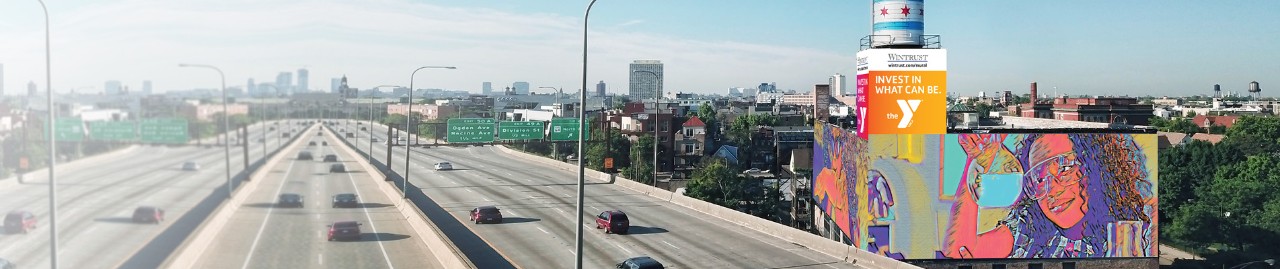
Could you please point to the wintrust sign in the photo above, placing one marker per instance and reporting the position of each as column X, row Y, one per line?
column 902, row 91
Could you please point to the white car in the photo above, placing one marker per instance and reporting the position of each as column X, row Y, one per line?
column 190, row 166
column 444, row 166
column 752, row 171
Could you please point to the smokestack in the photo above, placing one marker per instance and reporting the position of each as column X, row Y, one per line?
column 1033, row 94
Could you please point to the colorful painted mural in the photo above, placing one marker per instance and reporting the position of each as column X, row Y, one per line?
column 968, row 196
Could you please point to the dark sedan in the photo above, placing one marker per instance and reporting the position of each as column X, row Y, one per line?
column 345, row 200
column 290, row 200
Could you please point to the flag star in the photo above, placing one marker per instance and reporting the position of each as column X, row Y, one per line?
column 906, row 10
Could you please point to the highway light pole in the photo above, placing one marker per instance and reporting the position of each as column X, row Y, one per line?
column 582, row 172
column 656, row 95
column 53, row 162
column 226, row 114
column 370, row 127
column 408, row 119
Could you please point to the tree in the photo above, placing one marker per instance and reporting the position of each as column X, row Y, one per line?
column 1191, row 114
column 983, row 109
column 716, row 183
column 641, row 169
column 1180, row 125
column 1268, row 128
column 616, row 146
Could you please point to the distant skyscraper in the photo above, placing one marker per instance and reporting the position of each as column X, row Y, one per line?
column 520, row 87
column 600, row 88
column 838, row 85
column 335, row 84
column 643, row 84
column 252, row 88
column 146, row 86
column 112, row 87
column 767, row 87
column 486, row 88
column 31, row 89
column 284, row 83
column 304, row 79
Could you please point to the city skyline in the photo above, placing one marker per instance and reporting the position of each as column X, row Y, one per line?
column 707, row 49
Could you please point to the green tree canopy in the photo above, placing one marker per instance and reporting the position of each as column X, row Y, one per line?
column 717, row 183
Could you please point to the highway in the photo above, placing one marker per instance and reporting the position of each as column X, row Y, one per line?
column 539, row 203
column 262, row 235
column 97, row 196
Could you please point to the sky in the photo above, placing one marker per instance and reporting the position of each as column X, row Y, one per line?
column 1134, row 48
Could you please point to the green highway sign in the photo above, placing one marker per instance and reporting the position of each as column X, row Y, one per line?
column 565, row 129
column 169, row 131
column 520, row 130
column 68, row 129
column 470, row 130
column 113, row 130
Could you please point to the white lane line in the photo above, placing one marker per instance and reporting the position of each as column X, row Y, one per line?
column 543, row 231
column 486, row 199
column 513, row 188
column 669, row 244
column 263, row 227
column 321, row 258
column 371, row 223
column 471, row 191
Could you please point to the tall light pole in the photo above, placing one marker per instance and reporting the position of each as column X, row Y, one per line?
column 656, row 96
column 370, row 127
column 53, row 190
column 226, row 114
column 408, row 120
column 582, row 172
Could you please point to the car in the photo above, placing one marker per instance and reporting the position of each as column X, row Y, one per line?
column 190, row 166
column 570, row 158
column 752, row 171
column 444, row 166
column 321, row 133
column 6, row 264
column 148, row 214
column 330, row 158
column 613, row 221
column 19, row 221
column 285, row 134
column 337, row 168
column 290, row 200
column 375, row 139
column 345, row 200
column 642, row 262
column 262, row 140
column 305, row 155
column 311, row 143
column 485, row 214
column 342, row 230
column 271, row 128
column 324, row 143
column 364, row 129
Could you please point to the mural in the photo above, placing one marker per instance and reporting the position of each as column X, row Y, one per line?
column 968, row 196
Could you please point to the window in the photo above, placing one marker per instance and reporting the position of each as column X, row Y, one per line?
column 1035, row 266
column 997, row 266
column 688, row 148
column 1069, row 265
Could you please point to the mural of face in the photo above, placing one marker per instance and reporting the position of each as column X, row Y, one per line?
column 1058, row 184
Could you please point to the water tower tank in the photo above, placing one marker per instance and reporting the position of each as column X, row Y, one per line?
column 1253, row 87
column 897, row 23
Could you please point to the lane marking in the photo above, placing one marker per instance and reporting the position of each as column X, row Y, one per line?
column 321, row 259
column 543, row 231
column 669, row 244
column 263, row 227
column 371, row 223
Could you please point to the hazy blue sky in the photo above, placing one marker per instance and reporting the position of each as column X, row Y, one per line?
column 1095, row 48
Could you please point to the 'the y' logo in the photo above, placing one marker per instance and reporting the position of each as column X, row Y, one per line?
column 862, row 120
column 908, row 109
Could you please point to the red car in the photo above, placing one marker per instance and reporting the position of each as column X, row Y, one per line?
column 19, row 221
column 613, row 221
column 148, row 214
column 486, row 214
column 344, row 230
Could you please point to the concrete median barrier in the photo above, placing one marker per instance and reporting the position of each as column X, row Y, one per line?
column 430, row 235
column 190, row 251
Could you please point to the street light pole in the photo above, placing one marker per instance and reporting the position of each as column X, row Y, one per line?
column 370, row 127
column 656, row 96
column 582, row 172
column 226, row 147
column 53, row 162
column 408, row 119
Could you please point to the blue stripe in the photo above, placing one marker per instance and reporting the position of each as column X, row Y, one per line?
column 898, row 25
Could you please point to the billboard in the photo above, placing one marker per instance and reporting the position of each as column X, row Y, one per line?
column 979, row 196
column 901, row 91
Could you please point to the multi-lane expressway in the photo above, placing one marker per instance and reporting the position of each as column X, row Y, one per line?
column 539, row 206
column 261, row 234
column 97, row 196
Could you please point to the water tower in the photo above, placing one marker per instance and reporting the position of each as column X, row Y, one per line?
column 1255, row 90
column 1217, row 91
